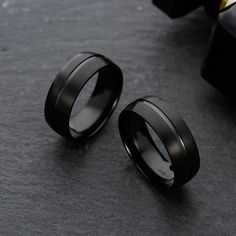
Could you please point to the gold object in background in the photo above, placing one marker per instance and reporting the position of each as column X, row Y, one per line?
column 226, row 3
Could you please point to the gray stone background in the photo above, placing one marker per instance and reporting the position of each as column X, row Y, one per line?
column 49, row 186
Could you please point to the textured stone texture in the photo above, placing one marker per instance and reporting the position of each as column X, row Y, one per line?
column 49, row 186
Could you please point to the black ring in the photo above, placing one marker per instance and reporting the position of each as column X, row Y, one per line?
column 173, row 133
column 66, row 88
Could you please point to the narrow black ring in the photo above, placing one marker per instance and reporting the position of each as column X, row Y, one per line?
column 66, row 88
column 174, row 134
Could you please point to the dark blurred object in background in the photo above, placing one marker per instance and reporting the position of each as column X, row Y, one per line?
column 177, row 8
column 212, row 7
column 219, row 64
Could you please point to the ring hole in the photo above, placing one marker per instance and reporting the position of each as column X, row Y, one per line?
column 146, row 149
column 161, row 148
column 84, row 96
column 81, row 117
column 160, row 162
column 95, row 101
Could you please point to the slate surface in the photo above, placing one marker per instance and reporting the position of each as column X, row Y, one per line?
column 49, row 186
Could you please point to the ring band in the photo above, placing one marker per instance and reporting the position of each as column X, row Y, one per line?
column 66, row 88
column 183, row 160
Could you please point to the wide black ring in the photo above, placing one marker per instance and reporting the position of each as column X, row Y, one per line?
column 66, row 88
column 173, row 133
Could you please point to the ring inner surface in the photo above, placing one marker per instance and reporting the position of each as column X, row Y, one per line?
column 100, row 103
column 147, row 150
